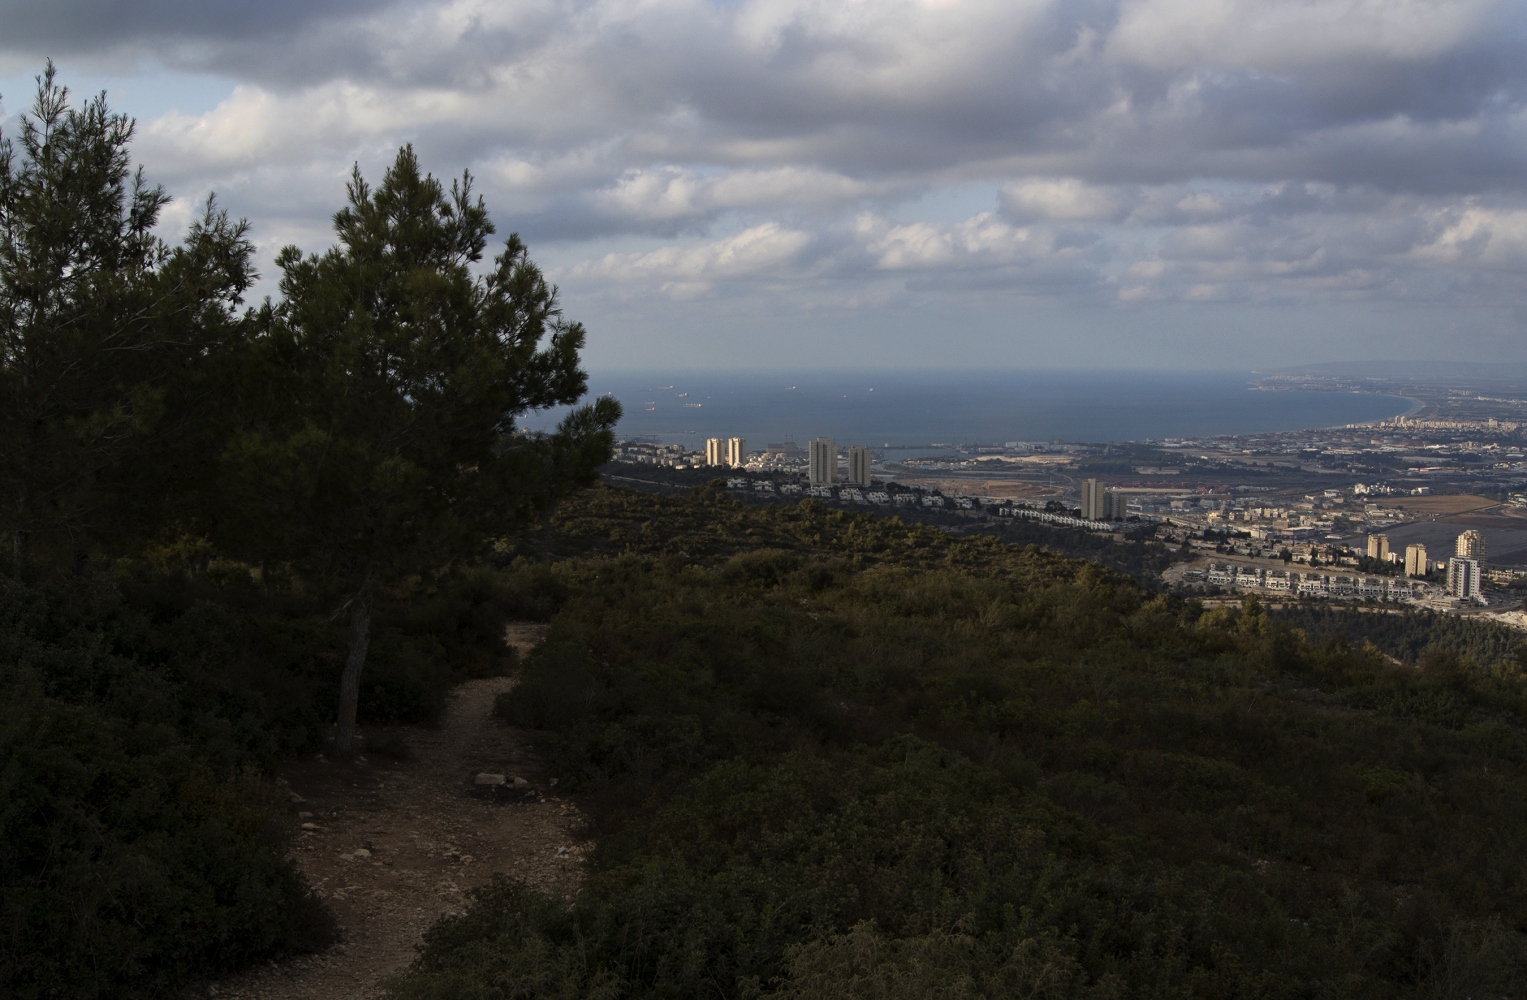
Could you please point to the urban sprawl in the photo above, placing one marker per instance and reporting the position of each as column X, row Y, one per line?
column 1298, row 515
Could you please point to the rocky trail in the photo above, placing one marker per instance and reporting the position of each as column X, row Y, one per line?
column 392, row 845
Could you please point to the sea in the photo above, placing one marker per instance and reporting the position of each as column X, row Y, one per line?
column 913, row 411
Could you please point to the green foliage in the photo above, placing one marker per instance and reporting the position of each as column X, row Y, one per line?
column 1140, row 557
column 107, row 336
column 825, row 753
column 1407, row 635
column 139, row 845
column 382, row 392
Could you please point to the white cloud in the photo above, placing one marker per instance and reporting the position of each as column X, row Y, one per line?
column 1060, row 198
column 673, row 193
column 685, row 270
column 982, row 240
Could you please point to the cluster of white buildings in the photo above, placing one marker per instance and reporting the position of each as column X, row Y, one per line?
column 1027, row 513
column 640, row 452
column 1464, row 567
column 848, row 493
column 1314, row 583
column 1464, row 580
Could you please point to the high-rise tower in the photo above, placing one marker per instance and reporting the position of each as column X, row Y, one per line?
column 1463, row 579
column 1470, row 545
column 1415, row 560
column 859, row 462
column 823, row 462
column 736, row 452
column 1092, row 500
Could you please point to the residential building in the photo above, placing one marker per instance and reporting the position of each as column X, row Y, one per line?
column 1378, row 547
column 715, row 452
column 1415, row 560
column 736, row 452
column 1463, row 579
column 1092, row 500
column 859, row 462
column 1115, row 506
column 1471, row 545
column 823, row 467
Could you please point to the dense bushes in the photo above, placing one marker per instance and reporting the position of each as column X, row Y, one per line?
column 139, row 845
column 880, row 761
column 142, row 843
column 1406, row 635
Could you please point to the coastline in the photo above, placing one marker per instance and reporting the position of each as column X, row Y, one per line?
column 979, row 408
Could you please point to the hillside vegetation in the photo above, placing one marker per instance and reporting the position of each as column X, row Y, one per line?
column 826, row 755
column 142, row 842
column 1409, row 635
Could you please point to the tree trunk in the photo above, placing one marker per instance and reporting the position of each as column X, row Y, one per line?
column 350, row 683
column 19, row 547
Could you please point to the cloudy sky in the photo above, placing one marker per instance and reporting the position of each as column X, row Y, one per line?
column 887, row 183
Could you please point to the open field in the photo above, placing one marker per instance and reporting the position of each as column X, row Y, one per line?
column 1438, row 506
column 985, row 487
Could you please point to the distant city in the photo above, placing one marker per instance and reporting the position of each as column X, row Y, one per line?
column 1400, row 510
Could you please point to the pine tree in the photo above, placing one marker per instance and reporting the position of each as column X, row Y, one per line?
column 381, row 399
column 106, row 334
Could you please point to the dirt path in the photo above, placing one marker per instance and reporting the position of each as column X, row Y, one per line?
column 393, row 845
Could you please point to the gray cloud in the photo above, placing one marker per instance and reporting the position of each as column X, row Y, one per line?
column 71, row 26
column 1134, row 151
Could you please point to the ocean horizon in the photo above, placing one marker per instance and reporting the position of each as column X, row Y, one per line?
column 909, row 410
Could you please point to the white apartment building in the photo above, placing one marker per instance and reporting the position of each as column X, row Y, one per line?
column 859, row 462
column 715, row 452
column 1470, row 545
column 1463, row 577
column 823, row 467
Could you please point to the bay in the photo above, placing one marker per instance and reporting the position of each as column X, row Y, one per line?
column 910, row 410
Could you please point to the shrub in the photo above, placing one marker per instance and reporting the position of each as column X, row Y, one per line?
column 139, row 844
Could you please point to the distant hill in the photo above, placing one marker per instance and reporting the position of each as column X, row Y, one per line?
column 1417, row 370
